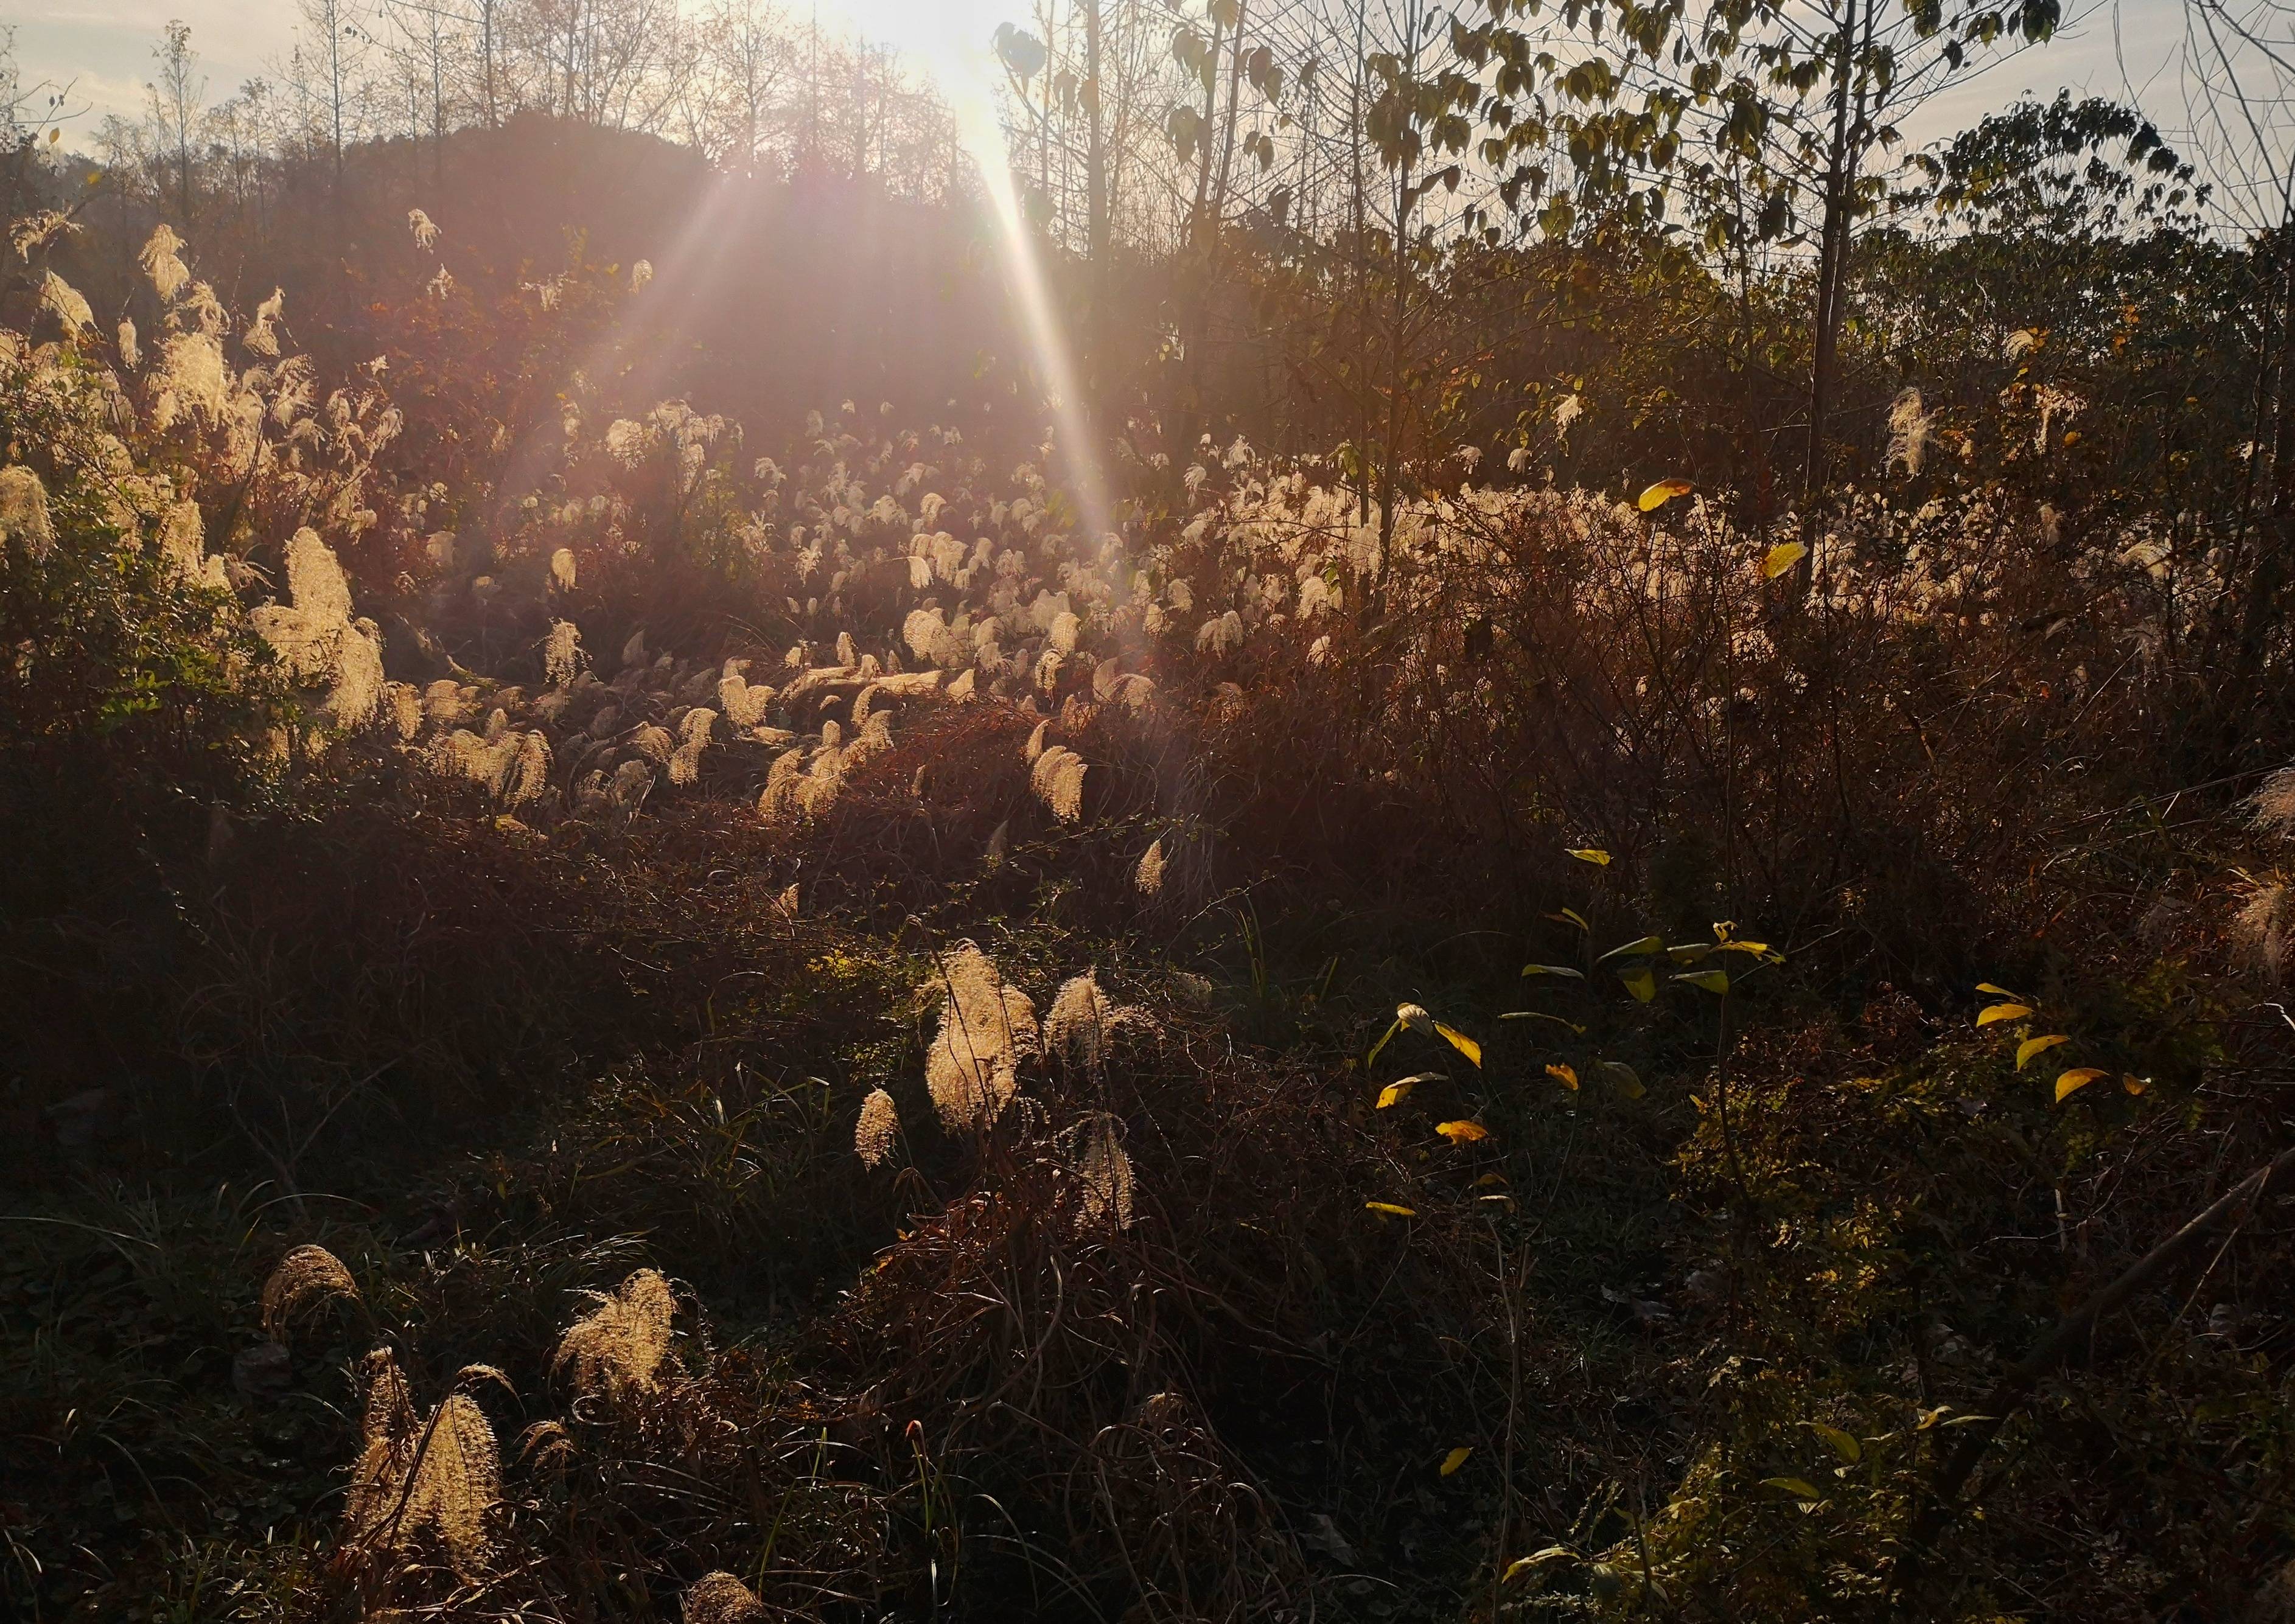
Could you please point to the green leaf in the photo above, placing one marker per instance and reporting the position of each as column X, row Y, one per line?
column 1843, row 1444
column 1372, row 1058
column 1534, row 1015
column 1710, row 981
column 1641, row 947
column 1539, row 1559
column 1991, row 1013
column 1798, row 1486
column 1641, row 983
column 1553, row 969
column 1622, row 1077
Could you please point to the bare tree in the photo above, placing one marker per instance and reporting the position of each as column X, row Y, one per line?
column 175, row 98
column 747, row 65
column 425, row 42
column 2239, row 80
column 31, row 120
column 332, row 66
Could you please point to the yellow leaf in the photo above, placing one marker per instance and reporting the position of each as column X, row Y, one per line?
column 1986, row 986
column 1800, row 1486
column 1455, row 1459
column 1843, row 1444
column 1657, row 495
column 1623, row 1078
column 1782, row 558
column 2002, row 1012
column 1759, row 950
column 1535, row 1015
column 1553, row 969
column 1563, row 1075
column 2037, row 1046
column 1641, row 983
column 1415, row 1017
column 1462, row 1132
column 2133, row 1083
column 1570, row 916
column 1460, row 1041
column 2071, row 1083
column 1488, row 1179
column 1390, row 1208
column 1395, row 1092
column 1710, row 981
column 1539, row 1559
column 1594, row 854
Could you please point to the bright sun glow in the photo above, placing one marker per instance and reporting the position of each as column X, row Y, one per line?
column 948, row 41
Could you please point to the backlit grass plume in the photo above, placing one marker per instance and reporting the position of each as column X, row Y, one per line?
column 618, row 1348
column 163, row 264
column 720, row 1599
column 873, row 1134
column 1105, row 1178
column 987, row 1027
column 306, row 1275
column 61, row 300
column 1083, row 1021
column 1149, row 876
column 24, row 518
column 315, row 637
column 1057, row 780
column 442, row 1475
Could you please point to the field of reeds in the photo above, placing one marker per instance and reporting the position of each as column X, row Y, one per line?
column 787, row 1030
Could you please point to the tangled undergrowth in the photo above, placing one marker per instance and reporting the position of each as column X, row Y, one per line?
column 745, row 1037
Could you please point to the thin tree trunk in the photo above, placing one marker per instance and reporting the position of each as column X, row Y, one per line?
column 1359, row 199
column 1095, row 201
column 1832, row 243
column 1390, row 453
column 2268, row 578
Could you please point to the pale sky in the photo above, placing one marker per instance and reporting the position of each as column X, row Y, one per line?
column 104, row 47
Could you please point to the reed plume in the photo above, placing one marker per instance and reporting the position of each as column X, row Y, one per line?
column 986, row 1029
column 618, row 1349
column 873, row 1134
column 306, row 1275
column 720, row 1599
